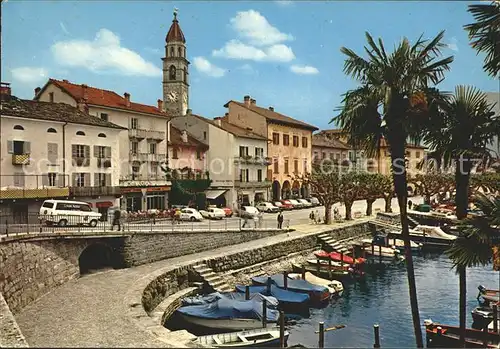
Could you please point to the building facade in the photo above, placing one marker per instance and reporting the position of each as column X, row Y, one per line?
column 186, row 154
column 289, row 147
column 326, row 148
column 53, row 150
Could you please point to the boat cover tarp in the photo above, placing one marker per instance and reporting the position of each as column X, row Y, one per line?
column 226, row 308
column 281, row 295
column 293, row 285
column 272, row 302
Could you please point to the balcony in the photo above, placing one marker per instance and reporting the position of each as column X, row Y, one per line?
column 104, row 162
column 95, row 191
column 138, row 157
column 20, row 159
column 156, row 157
column 156, row 135
column 138, row 180
column 81, row 161
column 33, row 186
column 253, row 184
column 136, row 133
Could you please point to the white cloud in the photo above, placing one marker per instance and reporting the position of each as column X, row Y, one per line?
column 452, row 45
column 235, row 49
column 204, row 66
column 29, row 75
column 304, row 69
column 103, row 54
column 255, row 28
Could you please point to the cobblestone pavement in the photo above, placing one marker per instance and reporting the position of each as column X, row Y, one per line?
column 91, row 311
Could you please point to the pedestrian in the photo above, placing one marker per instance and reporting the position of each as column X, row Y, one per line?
column 410, row 204
column 317, row 218
column 280, row 220
column 312, row 218
column 116, row 219
column 261, row 219
column 123, row 218
column 245, row 221
column 177, row 216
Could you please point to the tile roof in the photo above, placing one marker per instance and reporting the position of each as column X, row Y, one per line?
column 273, row 116
column 233, row 129
column 175, row 33
column 176, row 139
column 322, row 140
column 106, row 98
column 60, row 112
column 383, row 142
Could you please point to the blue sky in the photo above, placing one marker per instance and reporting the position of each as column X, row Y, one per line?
column 285, row 54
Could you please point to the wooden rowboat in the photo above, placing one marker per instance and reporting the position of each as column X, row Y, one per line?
column 263, row 337
column 444, row 336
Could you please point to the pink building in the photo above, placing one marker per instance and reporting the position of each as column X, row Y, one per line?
column 186, row 154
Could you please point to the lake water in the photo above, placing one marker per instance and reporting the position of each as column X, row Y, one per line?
column 383, row 299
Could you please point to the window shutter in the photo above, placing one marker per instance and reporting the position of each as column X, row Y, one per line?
column 108, row 180
column 75, row 179
column 74, row 150
column 57, row 180
column 26, row 147
column 10, row 147
column 96, row 151
column 107, row 152
column 86, row 178
column 96, row 180
column 45, row 179
column 87, row 151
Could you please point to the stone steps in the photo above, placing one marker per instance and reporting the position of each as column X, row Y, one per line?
column 211, row 278
column 331, row 244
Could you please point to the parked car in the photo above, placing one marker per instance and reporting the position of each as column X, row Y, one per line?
column 287, row 204
column 314, row 201
column 213, row 213
column 267, row 207
column 305, row 202
column 282, row 206
column 190, row 214
column 65, row 212
column 248, row 212
column 422, row 208
column 296, row 204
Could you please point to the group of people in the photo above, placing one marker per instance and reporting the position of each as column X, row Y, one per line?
column 314, row 217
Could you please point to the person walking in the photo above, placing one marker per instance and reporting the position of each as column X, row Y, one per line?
column 116, row 219
column 312, row 217
column 245, row 221
column 280, row 220
column 410, row 204
column 317, row 219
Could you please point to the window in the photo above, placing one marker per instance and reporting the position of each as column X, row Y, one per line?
column 296, row 166
column 102, row 152
column 259, row 152
column 316, row 155
column 244, row 175
column 172, row 72
column 304, row 142
column 172, row 52
column 19, row 179
column 102, row 179
column 243, row 151
column 323, row 155
column 134, row 123
column 51, row 97
column 332, row 156
column 417, row 154
column 152, row 148
column 174, row 153
column 295, row 141
column 286, row 166
column 51, row 130
column 259, row 175
column 105, row 116
column 48, row 205
column 276, row 168
column 179, row 52
column 79, row 151
column 135, row 172
column 52, row 152
column 337, row 156
column 18, row 127
column 286, row 139
column 80, row 179
column 351, row 156
column 198, row 154
column 52, row 179
column 102, row 135
column 18, row 147
column 134, row 147
column 205, row 135
column 80, row 133
column 154, row 169
column 276, row 138
column 185, row 76
column 156, row 201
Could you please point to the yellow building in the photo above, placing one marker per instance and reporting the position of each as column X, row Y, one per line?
column 289, row 146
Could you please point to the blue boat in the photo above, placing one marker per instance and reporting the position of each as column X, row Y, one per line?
column 228, row 314
column 315, row 292
column 272, row 302
column 283, row 296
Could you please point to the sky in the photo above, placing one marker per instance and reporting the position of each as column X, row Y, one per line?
column 284, row 54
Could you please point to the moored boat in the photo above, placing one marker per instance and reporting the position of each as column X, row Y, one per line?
column 488, row 296
column 428, row 235
column 335, row 287
column 325, row 272
column 263, row 337
column 482, row 316
column 338, row 257
column 316, row 293
column 383, row 240
column 283, row 296
column 439, row 335
column 272, row 302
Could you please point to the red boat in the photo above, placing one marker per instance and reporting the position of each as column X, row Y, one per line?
column 444, row 336
column 337, row 257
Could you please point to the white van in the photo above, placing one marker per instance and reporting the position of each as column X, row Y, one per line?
column 64, row 212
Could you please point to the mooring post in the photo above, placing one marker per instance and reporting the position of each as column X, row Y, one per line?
column 342, row 259
column 247, row 292
column 317, row 265
column 285, row 280
column 269, row 285
column 321, row 341
column 303, row 272
column 376, row 331
column 380, row 254
column 264, row 313
column 282, row 329
column 486, row 336
column 373, row 249
column 330, row 268
column 495, row 318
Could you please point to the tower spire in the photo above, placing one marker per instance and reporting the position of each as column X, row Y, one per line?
column 176, row 10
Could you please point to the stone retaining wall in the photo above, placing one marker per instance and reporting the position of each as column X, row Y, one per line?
column 10, row 334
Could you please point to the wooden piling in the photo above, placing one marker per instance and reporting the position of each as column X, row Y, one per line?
column 376, row 331
column 330, row 268
column 321, row 341
column 486, row 336
column 317, row 265
column 341, row 259
column 380, row 254
column 495, row 318
column 303, row 272
column 285, row 280
column 264, row 313
column 373, row 249
column 247, row 293
column 282, row 329
column 269, row 281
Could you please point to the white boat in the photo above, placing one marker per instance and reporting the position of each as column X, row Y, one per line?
column 325, row 263
column 263, row 337
column 223, row 324
column 335, row 287
column 385, row 252
column 431, row 232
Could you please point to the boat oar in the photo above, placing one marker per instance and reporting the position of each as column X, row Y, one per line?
column 333, row 328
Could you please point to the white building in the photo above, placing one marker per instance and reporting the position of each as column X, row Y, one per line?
column 52, row 150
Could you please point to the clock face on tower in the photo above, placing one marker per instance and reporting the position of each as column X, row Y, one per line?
column 172, row 97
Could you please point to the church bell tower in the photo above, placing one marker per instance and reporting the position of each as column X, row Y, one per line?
column 175, row 71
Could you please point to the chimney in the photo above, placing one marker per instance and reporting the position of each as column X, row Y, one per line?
column 246, row 99
column 5, row 91
column 127, row 99
column 227, row 114
column 160, row 104
column 253, row 101
column 184, row 136
column 218, row 121
column 85, row 94
column 37, row 91
column 66, row 81
column 271, row 108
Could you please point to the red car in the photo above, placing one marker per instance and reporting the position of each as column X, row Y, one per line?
column 286, row 205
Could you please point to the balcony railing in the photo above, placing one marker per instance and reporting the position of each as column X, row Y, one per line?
column 253, row 184
column 33, row 186
column 137, row 133
column 81, row 161
column 255, row 160
column 104, row 162
column 156, row 135
column 95, row 191
column 138, row 157
column 144, row 180
column 156, row 157
column 20, row 159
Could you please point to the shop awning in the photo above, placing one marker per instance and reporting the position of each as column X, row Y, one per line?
column 214, row 194
column 104, row 204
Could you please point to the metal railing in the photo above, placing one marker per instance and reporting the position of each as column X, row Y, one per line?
column 20, row 225
column 252, row 184
column 95, row 191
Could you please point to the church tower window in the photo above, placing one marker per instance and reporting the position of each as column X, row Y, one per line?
column 172, row 72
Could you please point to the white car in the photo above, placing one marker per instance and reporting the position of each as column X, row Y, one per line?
column 249, row 212
column 314, row 201
column 213, row 213
column 190, row 214
column 267, row 207
column 64, row 212
column 305, row 202
column 296, row 204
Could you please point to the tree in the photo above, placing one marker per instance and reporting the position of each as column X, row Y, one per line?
column 387, row 188
column 429, row 184
column 350, row 190
column 485, row 34
column 372, row 188
column 393, row 102
column 461, row 132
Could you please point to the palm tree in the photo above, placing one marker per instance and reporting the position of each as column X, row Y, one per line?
column 485, row 34
column 393, row 102
column 461, row 132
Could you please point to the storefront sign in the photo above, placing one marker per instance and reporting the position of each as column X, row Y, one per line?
column 140, row 190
